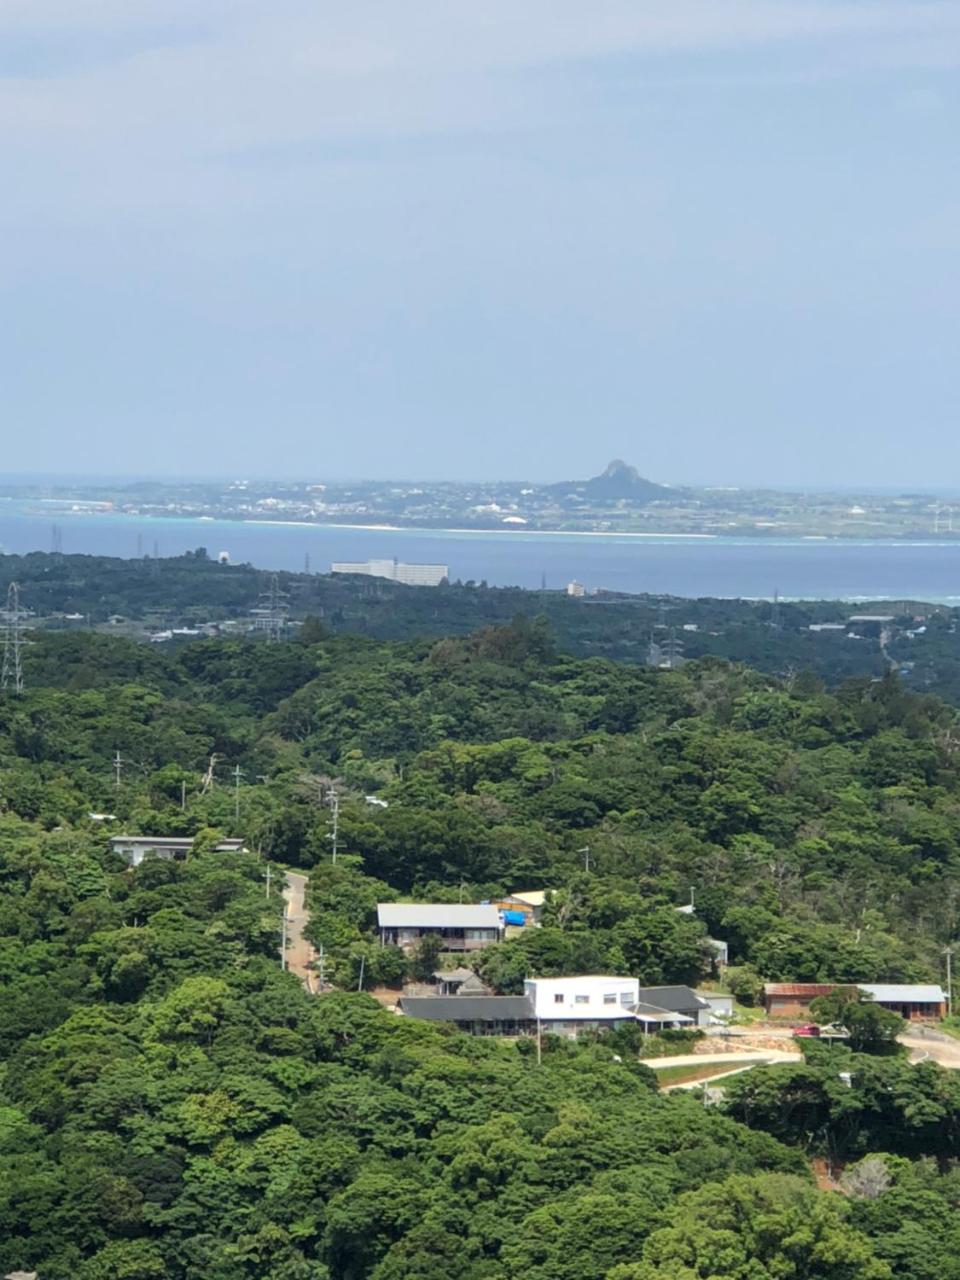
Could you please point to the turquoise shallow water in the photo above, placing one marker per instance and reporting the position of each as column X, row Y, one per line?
column 750, row 567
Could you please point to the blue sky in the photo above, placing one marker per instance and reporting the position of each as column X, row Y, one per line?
column 719, row 238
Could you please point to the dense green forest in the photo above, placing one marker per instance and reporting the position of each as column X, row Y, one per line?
column 173, row 1105
column 184, row 590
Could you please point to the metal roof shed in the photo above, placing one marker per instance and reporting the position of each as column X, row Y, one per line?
column 437, row 915
column 904, row 992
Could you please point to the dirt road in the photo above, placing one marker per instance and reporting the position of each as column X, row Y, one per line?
column 299, row 951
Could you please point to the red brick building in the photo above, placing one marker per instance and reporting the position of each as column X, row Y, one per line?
column 918, row 1002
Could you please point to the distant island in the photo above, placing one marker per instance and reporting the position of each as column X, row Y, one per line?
column 618, row 482
column 618, row 499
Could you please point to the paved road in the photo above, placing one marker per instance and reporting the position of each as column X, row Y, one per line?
column 299, row 951
column 925, row 1043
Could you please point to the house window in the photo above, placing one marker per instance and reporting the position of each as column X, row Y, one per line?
column 558, row 998
column 581, row 999
column 626, row 998
column 609, row 997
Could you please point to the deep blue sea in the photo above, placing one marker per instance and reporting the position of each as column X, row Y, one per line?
column 747, row 567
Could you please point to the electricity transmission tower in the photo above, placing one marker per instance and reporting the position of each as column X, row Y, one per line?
column 278, row 610
column 272, row 615
column 12, row 617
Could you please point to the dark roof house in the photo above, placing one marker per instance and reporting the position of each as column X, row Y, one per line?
column 484, row 1015
column 678, row 999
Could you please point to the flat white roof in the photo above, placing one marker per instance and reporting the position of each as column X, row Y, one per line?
column 437, row 915
column 172, row 842
column 905, row 992
column 604, row 978
column 533, row 897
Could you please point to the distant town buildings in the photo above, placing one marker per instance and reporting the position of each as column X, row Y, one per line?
column 411, row 575
column 576, row 589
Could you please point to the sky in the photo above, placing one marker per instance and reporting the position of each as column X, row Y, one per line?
column 517, row 238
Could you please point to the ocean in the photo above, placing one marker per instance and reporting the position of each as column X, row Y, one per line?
column 729, row 567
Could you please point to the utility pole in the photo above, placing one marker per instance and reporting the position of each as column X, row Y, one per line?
column 268, row 881
column 948, row 952
column 283, row 939
column 363, row 961
column 117, row 768
column 237, row 775
column 586, row 857
column 322, row 969
column 183, row 793
column 539, row 1044
column 334, row 800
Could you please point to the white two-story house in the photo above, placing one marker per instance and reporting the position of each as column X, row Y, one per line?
column 591, row 1002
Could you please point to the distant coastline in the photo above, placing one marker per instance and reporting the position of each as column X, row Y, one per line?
column 730, row 566
column 764, row 537
column 437, row 529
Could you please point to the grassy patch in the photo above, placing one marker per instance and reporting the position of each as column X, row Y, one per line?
column 685, row 1075
column 745, row 1013
column 701, row 1071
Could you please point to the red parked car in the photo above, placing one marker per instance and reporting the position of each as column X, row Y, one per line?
column 807, row 1029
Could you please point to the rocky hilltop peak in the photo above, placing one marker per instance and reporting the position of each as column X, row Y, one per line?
column 617, row 481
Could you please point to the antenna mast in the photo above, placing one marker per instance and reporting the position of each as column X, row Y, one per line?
column 12, row 675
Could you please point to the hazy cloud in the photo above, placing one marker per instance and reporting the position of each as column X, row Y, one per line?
column 394, row 216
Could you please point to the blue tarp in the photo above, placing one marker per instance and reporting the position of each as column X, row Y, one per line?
column 514, row 917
